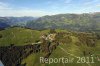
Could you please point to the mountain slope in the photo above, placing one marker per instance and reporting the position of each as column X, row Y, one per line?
column 71, row 44
column 15, row 21
column 76, row 22
column 3, row 25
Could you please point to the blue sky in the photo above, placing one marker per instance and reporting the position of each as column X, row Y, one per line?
column 47, row 7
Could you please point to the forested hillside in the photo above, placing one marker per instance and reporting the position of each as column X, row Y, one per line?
column 82, row 22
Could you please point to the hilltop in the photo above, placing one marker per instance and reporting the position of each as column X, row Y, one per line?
column 66, row 44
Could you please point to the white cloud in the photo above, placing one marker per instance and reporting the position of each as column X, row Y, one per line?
column 49, row 2
column 89, row 6
column 98, row 5
column 68, row 1
column 89, row 2
column 24, row 12
column 6, row 10
column 2, row 4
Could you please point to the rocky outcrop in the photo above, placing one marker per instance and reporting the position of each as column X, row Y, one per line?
column 13, row 55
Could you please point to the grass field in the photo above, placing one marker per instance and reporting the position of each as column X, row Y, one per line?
column 19, row 36
column 22, row 36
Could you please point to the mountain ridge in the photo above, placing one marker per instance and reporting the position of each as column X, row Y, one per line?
column 77, row 22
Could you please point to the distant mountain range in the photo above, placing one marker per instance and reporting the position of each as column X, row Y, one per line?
column 77, row 22
column 3, row 25
column 82, row 22
column 14, row 21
